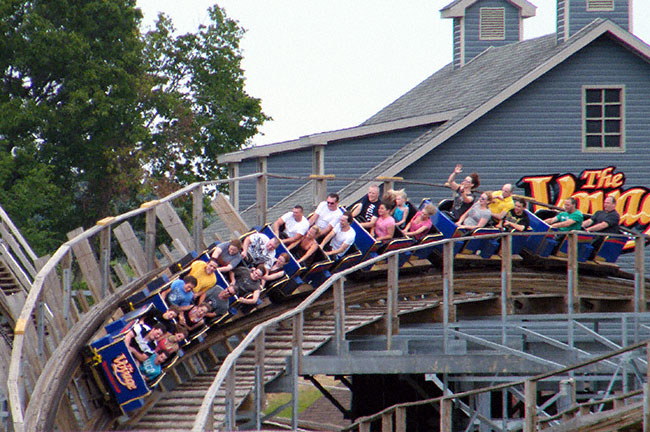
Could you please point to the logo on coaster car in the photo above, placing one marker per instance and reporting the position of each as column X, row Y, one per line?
column 123, row 371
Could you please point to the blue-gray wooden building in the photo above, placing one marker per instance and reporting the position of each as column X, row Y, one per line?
column 566, row 102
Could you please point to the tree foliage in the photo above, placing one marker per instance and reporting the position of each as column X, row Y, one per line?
column 97, row 115
column 198, row 107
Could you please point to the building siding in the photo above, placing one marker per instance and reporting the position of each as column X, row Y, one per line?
column 538, row 130
column 579, row 17
column 294, row 163
column 247, row 188
column 474, row 46
column 353, row 158
column 345, row 158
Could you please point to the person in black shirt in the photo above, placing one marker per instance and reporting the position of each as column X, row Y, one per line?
column 464, row 196
column 368, row 208
column 247, row 281
column 517, row 219
column 605, row 221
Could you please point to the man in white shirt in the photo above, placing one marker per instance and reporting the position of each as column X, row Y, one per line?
column 327, row 215
column 340, row 238
column 295, row 225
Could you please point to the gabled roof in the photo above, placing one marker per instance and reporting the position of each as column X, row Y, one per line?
column 482, row 84
column 457, row 8
column 323, row 138
column 469, row 86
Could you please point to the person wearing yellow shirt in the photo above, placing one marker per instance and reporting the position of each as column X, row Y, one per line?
column 205, row 274
column 502, row 202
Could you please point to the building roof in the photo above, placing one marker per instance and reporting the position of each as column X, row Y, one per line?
column 469, row 86
column 459, row 96
column 481, row 85
column 457, row 8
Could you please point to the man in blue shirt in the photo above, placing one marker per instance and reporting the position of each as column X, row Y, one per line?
column 181, row 293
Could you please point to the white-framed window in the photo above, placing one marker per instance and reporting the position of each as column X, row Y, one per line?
column 603, row 114
column 600, row 5
column 492, row 23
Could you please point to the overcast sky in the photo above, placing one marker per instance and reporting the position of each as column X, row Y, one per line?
column 326, row 65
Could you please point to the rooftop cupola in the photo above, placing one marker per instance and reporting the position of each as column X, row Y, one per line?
column 480, row 24
column 572, row 15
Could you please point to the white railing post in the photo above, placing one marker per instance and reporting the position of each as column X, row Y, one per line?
column 233, row 185
column 448, row 314
column 506, row 284
column 339, row 316
column 230, row 399
column 197, row 218
column 639, row 274
column 261, row 191
column 259, row 378
column 530, row 406
column 105, row 255
column 392, row 318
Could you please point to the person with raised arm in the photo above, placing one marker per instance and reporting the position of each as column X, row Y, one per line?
column 464, row 196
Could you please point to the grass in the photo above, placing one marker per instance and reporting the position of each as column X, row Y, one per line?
column 307, row 395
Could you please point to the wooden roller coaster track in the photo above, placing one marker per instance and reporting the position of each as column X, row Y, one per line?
column 57, row 380
column 420, row 291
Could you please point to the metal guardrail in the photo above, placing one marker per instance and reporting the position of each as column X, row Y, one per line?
column 226, row 373
column 61, row 259
column 397, row 412
column 61, row 262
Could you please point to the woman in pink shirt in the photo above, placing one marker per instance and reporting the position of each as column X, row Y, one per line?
column 384, row 227
column 420, row 225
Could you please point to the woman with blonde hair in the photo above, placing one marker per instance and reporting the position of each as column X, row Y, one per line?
column 401, row 210
column 421, row 223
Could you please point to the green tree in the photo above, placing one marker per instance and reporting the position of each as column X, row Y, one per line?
column 70, row 78
column 97, row 117
column 198, row 107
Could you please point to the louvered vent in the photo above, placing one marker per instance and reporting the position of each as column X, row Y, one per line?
column 600, row 5
column 492, row 24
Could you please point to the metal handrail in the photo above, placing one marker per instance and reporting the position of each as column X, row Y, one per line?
column 36, row 291
column 13, row 388
column 498, row 387
column 230, row 361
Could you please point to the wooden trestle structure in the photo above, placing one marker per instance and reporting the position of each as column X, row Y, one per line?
column 47, row 386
